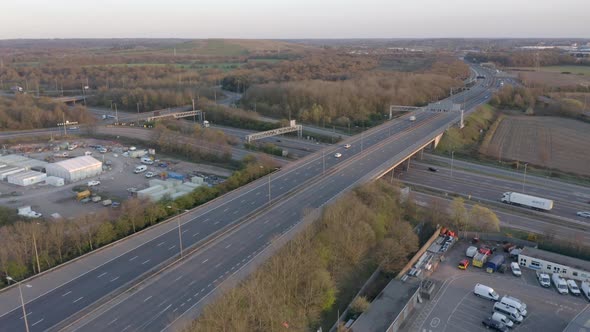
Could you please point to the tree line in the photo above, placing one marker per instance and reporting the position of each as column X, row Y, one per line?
column 310, row 275
column 26, row 112
column 29, row 247
column 527, row 58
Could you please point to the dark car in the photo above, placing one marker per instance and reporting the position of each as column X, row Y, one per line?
column 489, row 323
column 432, row 169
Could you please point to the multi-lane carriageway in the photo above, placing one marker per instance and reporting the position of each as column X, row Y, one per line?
column 303, row 185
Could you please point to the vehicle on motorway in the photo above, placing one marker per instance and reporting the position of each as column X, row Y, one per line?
column 337, row 155
column 432, row 169
column 559, row 284
column 498, row 317
column 544, row 279
column 149, row 174
column 515, row 269
column 412, row 118
column 471, row 251
column 536, row 203
column 347, row 146
column 515, row 303
column 586, row 289
column 140, row 169
column 494, row 264
column 573, row 287
column 585, row 214
column 486, row 292
column 463, row 264
column 93, row 183
column 490, row 323
column 74, row 128
column 509, row 312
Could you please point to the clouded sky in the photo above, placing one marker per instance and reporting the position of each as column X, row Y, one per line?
column 293, row 18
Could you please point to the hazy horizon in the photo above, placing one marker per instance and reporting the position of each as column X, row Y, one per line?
column 304, row 19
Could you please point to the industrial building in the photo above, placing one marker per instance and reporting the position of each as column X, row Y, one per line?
column 172, row 188
column 75, row 169
column 14, row 160
column 26, row 178
column 550, row 262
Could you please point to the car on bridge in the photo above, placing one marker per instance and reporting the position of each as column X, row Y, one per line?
column 337, row 155
column 347, row 146
column 585, row 214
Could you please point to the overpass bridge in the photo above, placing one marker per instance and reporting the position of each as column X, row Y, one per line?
column 227, row 236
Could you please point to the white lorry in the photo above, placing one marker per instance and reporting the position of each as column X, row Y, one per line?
column 533, row 202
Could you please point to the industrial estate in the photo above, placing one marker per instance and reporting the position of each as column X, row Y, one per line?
column 281, row 184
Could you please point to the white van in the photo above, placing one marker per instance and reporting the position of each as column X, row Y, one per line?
column 498, row 317
column 471, row 251
column 509, row 312
column 486, row 292
column 559, row 283
column 146, row 160
column 586, row 289
column 515, row 303
column 139, row 169
column 573, row 287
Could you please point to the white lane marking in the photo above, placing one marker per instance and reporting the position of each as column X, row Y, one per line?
column 215, row 223
column 205, row 261
column 114, row 320
column 206, row 220
column 266, row 221
column 172, row 247
column 128, row 326
column 186, row 230
column 216, row 266
column 102, row 275
column 192, row 283
column 133, row 258
column 161, row 243
column 178, row 278
column 114, row 279
column 225, row 210
column 174, row 309
column 145, row 262
column 162, row 303
column 252, row 203
column 242, row 201
column 147, row 298
column 66, row 293
column 78, row 299
column 28, row 313
column 197, row 233
column 229, row 245
column 281, row 187
column 37, row 322
column 260, row 236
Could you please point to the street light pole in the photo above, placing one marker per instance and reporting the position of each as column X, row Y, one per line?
column 524, row 177
column 323, row 161
column 269, row 197
column 452, row 161
column 22, row 301
column 179, row 236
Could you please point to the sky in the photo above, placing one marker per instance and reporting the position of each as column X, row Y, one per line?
column 292, row 19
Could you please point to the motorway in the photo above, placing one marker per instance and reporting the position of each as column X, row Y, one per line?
column 299, row 186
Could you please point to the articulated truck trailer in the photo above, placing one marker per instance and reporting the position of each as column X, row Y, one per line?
column 533, row 202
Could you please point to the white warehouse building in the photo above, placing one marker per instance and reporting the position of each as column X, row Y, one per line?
column 75, row 169
column 26, row 178
column 550, row 262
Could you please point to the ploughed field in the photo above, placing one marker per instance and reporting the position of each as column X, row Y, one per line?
column 551, row 142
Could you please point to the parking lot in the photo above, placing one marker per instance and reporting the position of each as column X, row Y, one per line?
column 456, row 308
column 115, row 182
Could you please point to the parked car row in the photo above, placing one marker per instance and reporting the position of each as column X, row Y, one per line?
column 506, row 311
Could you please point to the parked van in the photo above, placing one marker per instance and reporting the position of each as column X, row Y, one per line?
column 559, row 283
column 146, row 160
column 486, row 292
column 471, row 251
column 509, row 312
column 515, row 303
column 498, row 317
column 573, row 287
column 586, row 289
column 139, row 169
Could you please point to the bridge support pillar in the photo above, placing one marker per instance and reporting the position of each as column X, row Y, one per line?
column 408, row 163
column 436, row 141
column 421, row 153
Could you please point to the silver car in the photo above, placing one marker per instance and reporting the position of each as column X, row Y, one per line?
column 585, row 214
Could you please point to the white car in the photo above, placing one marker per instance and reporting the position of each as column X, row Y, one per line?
column 585, row 214
column 132, row 148
column 515, row 269
column 337, row 155
column 573, row 287
column 347, row 146
column 149, row 174
column 93, row 183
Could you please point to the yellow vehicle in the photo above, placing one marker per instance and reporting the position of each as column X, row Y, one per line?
column 83, row 194
column 480, row 259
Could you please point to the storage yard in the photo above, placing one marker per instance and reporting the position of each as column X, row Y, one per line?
column 77, row 178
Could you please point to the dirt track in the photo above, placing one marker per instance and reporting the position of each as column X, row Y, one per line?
column 551, row 142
